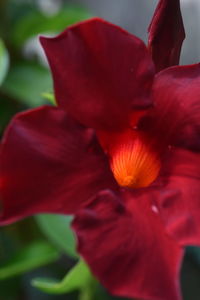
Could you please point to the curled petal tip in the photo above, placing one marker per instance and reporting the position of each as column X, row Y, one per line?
column 166, row 34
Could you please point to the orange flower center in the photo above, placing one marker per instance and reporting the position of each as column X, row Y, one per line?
column 134, row 163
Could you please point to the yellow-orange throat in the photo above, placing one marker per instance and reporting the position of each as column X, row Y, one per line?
column 133, row 161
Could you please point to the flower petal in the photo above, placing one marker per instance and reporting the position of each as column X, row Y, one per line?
column 49, row 163
column 175, row 119
column 166, row 34
column 127, row 248
column 100, row 73
column 178, row 196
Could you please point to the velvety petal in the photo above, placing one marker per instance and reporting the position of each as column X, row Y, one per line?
column 127, row 248
column 100, row 73
column 178, row 196
column 49, row 163
column 166, row 34
column 175, row 119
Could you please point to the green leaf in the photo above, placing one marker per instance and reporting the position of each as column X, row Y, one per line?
column 35, row 22
column 77, row 278
column 50, row 97
column 35, row 255
column 57, row 229
column 4, row 61
column 26, row 82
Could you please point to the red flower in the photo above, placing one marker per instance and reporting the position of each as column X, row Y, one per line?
column 115, row 116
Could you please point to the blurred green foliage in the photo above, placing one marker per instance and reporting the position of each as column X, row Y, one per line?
column 26, row 81
column 32, row 256
column 57, row 229
column 77, row 279
column 4, row 61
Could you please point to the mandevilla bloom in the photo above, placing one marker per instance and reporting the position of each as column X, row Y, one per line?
column 121, row 152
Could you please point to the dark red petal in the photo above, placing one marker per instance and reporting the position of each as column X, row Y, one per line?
column 178, row 196
column 175, row 118
column 127, row 248
column 49, row 163
column 166, row 34
column 100, row 73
